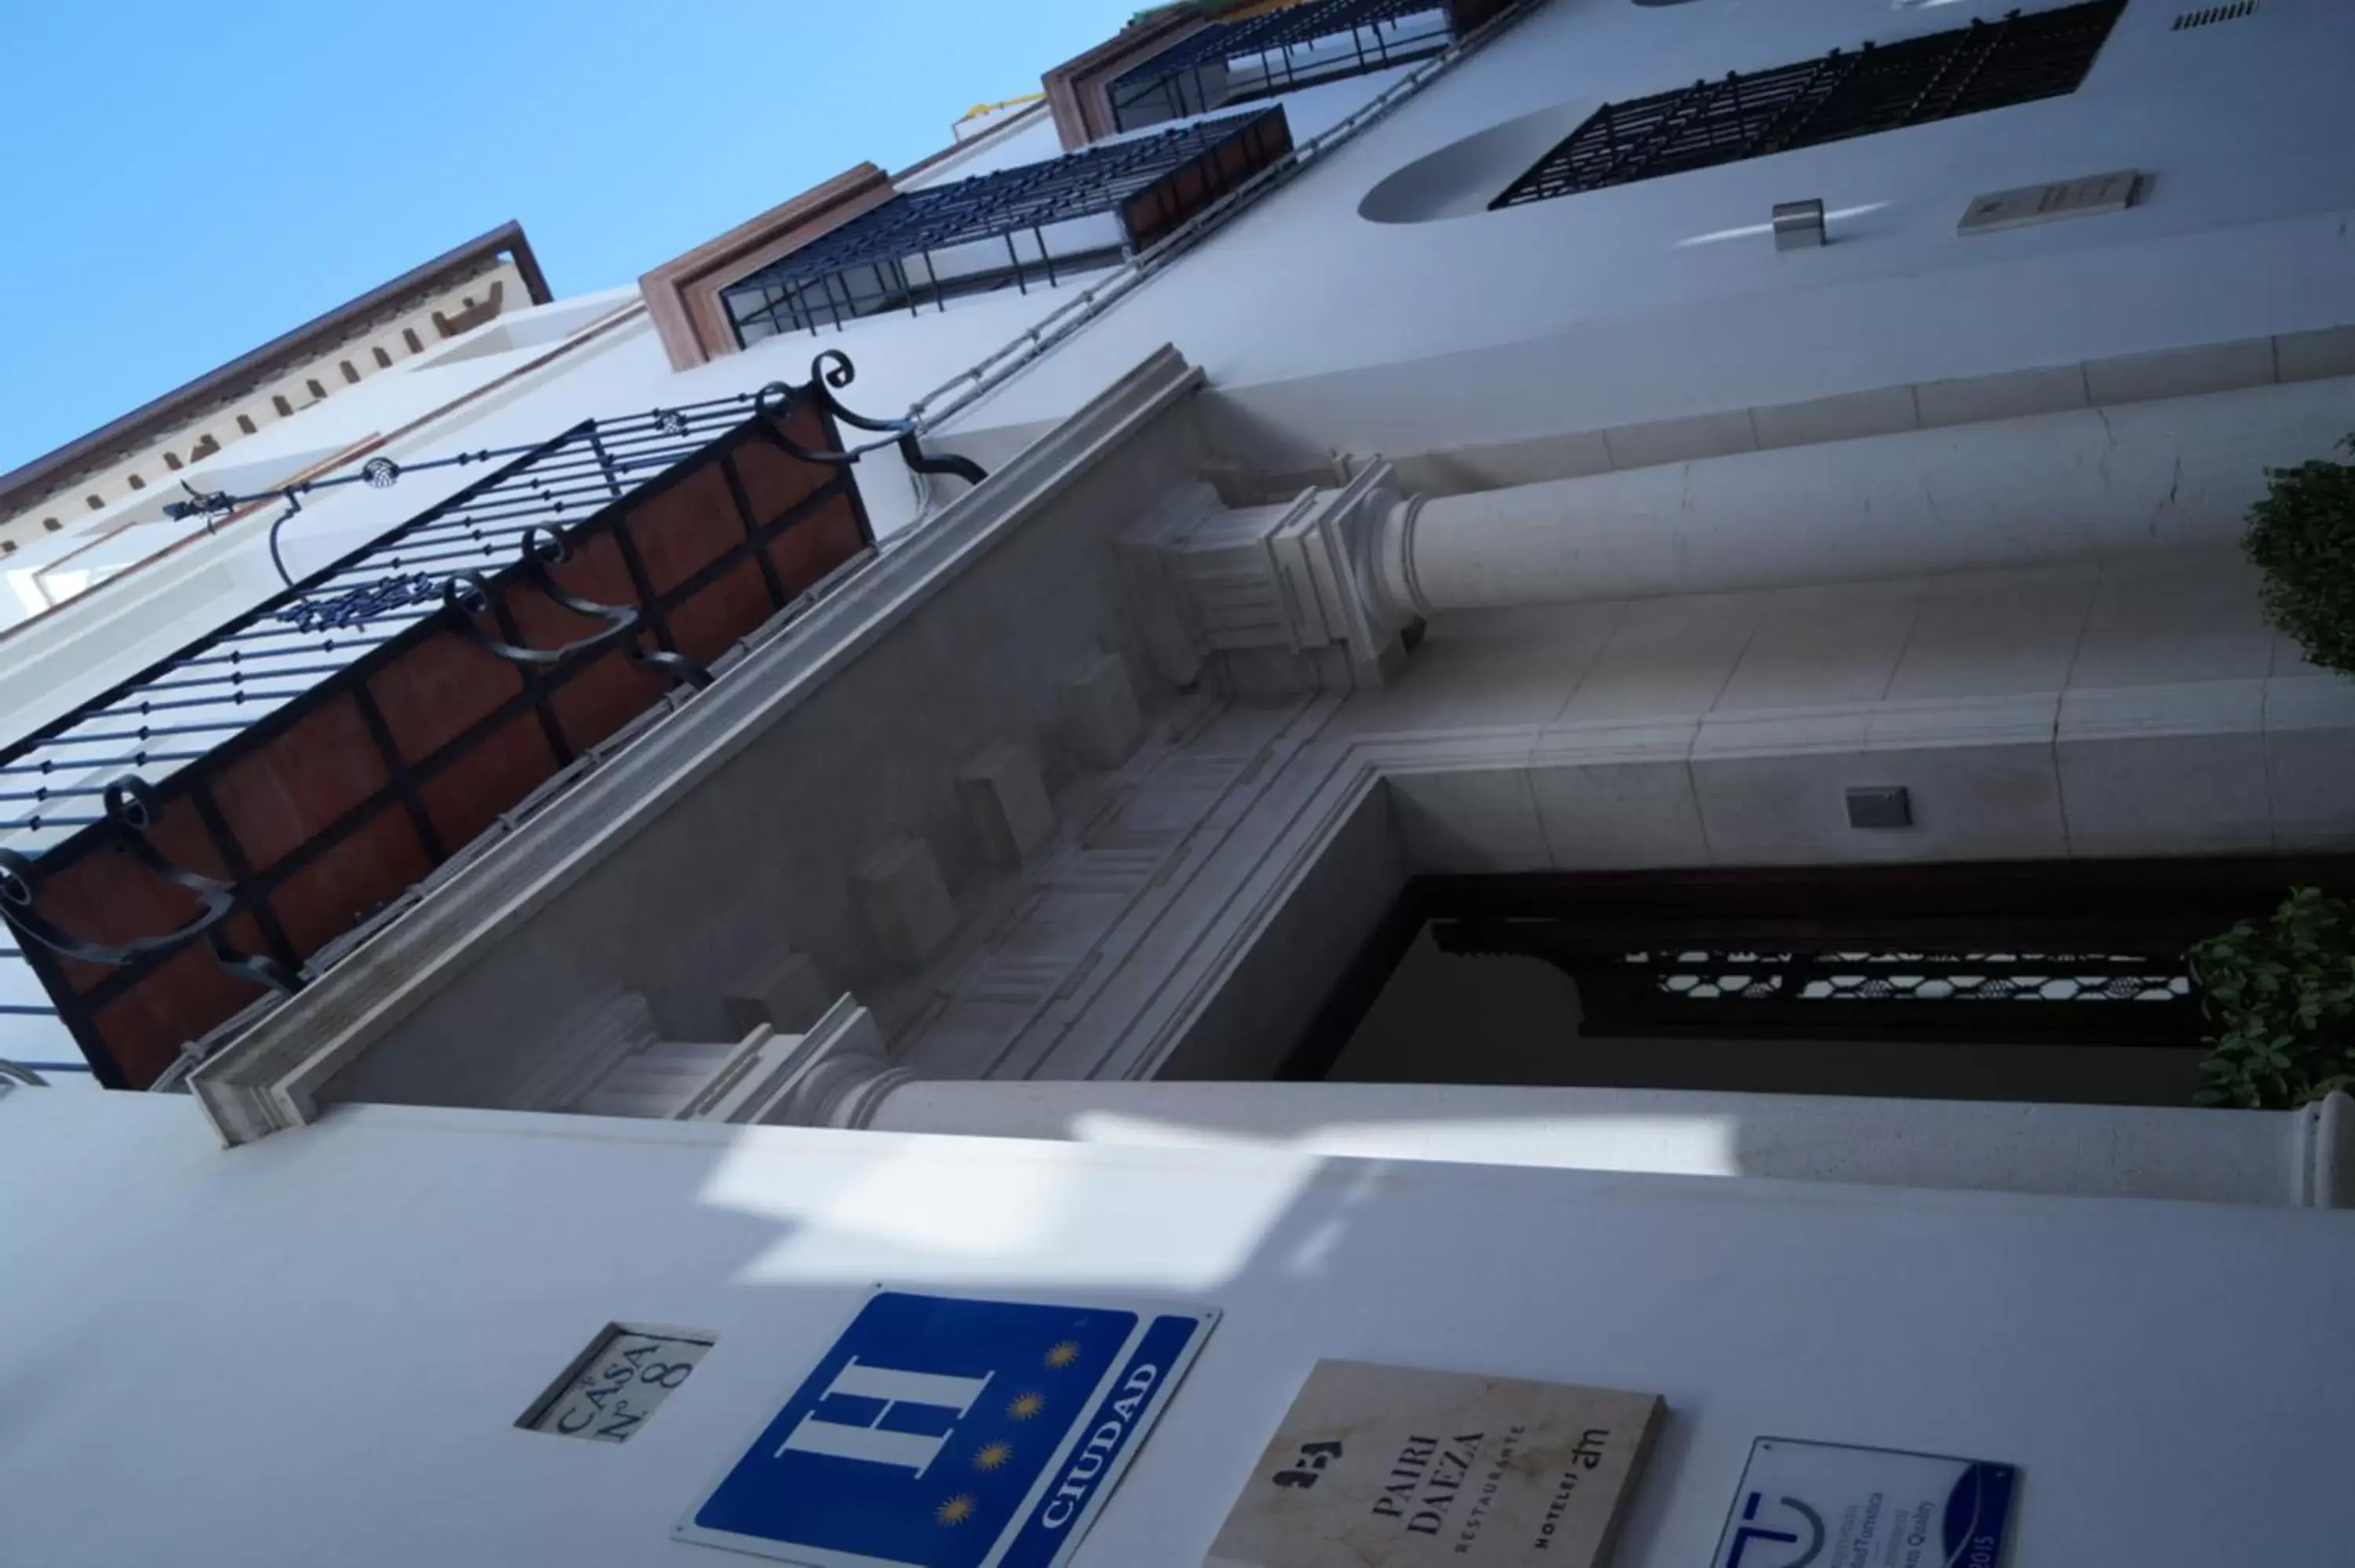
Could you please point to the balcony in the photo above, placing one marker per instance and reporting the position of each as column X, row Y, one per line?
column 1283, row 50
column 1041, row 224
column 230, row 821
column 1833, row 98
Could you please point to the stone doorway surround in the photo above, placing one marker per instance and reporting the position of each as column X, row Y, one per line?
column 2137, row 709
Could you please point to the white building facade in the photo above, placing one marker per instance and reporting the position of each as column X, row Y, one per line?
column 1365, row 623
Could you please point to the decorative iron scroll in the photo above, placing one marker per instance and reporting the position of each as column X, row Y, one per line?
column 130, row 809
column 358, row 606
column 830, row 369
column 469, row 598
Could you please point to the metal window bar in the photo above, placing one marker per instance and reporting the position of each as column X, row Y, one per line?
column 2076, row 999
column 1910, row 978
column 891, row 258
column 2208, row 17
column 1277, row 52
column 2016, row 59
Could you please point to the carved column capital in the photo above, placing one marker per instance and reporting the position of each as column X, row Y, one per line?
column 1323, row 583
column 836, row 1077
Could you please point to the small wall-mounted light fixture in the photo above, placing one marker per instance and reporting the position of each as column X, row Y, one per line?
column 1798, row 225
column 1885, row 806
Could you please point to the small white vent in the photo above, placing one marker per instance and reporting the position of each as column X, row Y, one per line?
column 2209, row 15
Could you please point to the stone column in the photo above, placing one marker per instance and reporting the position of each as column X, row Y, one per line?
column 831, row 1076
column 2089, row 484
column 1317, row 591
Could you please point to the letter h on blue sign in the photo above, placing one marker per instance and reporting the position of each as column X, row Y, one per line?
column 917, row 1437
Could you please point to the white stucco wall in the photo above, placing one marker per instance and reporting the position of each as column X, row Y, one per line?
column 1660, row 299
column 311, row 1350
column 1650, row 299
column 1322, row 330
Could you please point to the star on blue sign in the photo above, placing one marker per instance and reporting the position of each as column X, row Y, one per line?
column 941, row 1432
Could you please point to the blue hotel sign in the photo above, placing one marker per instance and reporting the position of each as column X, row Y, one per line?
column 943, row 1432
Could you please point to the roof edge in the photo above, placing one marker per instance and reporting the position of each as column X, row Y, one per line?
column 31, row 479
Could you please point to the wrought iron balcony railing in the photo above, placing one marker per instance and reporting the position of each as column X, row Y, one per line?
column 1040, row 223
column 1279, row 51
column 1849, row 92
column 200, row 834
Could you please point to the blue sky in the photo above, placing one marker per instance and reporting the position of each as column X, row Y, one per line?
column 179, row 183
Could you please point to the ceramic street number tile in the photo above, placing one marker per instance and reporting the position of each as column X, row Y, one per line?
column 1823, row 1503
column 1380, row 1466
column 947, row 1432
column 615, row 1387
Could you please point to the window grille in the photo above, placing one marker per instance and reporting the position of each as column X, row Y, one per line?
column 1276, row 52
column 2209, row 16
column 2076, row 998
column 1040, row 223
column 2019, row 58
column 1979, row 978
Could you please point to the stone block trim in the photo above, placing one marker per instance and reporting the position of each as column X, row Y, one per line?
column 1101, row 718
column 788, row 994
column 1006, row 801
column 905, row 900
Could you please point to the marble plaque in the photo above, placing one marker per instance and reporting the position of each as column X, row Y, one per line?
column 2083, row 197
column 1381, row 1467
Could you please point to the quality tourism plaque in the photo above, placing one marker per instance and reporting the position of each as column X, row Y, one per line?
column 1381, row 1467
column 1804, row 1503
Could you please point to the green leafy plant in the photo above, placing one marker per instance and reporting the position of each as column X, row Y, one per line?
column 2302, row 537
column 2282, row 996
